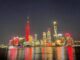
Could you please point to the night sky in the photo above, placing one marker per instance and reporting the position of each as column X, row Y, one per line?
column 13, row 17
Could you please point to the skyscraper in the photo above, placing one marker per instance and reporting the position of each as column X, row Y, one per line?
column 55, row 30
column 49, row 35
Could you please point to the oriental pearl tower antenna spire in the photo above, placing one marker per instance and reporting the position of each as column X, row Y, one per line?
column 27, row 30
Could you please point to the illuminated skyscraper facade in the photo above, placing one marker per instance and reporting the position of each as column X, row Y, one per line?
column 55, row 30
column 48, row 35
column 35, row 37
column 44, row 36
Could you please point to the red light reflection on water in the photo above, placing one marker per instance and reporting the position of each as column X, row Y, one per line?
column 28, row 54
column 43, row 52
column 70, row 53
column 12, row 53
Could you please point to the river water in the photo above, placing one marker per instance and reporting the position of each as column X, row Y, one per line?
column 38, row 53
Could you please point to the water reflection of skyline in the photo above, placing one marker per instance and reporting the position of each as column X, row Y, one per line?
column 40, row 53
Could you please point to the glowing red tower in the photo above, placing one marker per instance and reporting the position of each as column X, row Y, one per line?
column 27, row 29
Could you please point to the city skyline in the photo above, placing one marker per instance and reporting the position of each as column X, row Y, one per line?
column 13, row 17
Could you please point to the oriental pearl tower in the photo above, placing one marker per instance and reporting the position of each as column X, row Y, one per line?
column 27, row 30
